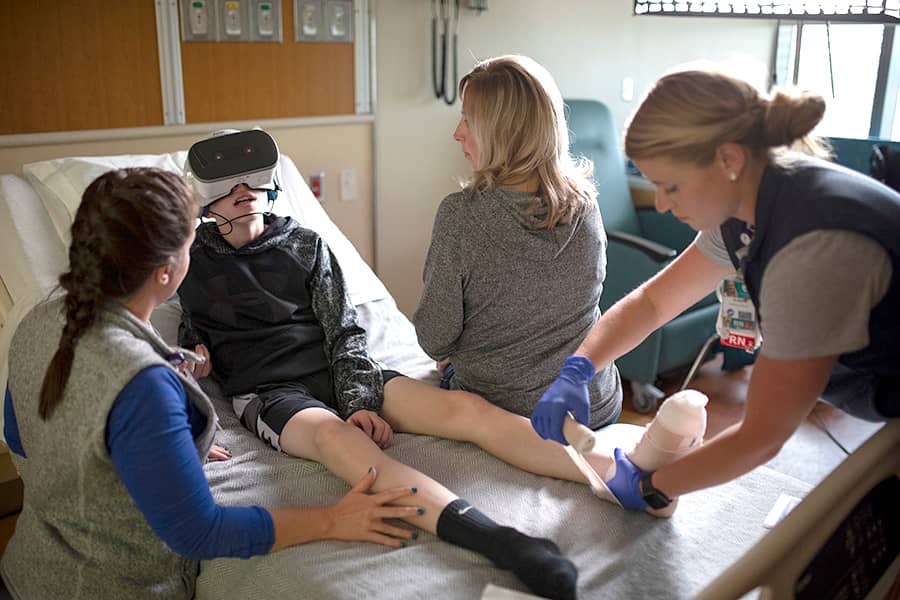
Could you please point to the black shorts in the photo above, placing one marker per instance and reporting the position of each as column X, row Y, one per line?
column 266, row 411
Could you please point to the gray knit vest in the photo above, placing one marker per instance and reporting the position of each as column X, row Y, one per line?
column 80, row 534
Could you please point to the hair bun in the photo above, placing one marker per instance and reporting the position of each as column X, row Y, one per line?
column 791, row 115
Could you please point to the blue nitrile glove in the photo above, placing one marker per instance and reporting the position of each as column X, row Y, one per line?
column 568, row 393
column 626, row 485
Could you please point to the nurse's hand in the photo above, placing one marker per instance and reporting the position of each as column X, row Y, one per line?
column 625, row 485
column 569, row 393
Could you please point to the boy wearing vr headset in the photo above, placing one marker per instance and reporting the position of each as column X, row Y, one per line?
column 265, row 301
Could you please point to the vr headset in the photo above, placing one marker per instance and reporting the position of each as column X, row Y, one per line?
column 230, row 157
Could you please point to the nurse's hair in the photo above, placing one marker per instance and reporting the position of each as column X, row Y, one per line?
column 688, row 114
column 515, row 112
column 129, row 222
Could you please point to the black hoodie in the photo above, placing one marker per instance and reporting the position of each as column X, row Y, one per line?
column 275, row 310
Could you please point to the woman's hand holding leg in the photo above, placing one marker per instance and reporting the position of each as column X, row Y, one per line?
column 360, row 515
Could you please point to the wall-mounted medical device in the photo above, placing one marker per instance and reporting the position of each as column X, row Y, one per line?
column 444, row 51
column 231, row 21
column 323, row 20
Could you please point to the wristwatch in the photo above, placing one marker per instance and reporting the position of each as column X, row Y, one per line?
column 652, row 496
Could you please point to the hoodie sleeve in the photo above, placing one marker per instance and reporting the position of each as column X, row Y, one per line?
column 358, row 384
column 439, row 317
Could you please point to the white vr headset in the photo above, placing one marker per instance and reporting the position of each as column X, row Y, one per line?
column 231, row 157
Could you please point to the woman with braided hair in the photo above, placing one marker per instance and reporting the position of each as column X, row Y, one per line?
column 109, row 434
column 813, row 247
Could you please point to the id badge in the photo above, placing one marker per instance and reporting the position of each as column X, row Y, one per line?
column 736, row 325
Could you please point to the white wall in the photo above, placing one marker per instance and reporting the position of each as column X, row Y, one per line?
column 588, row 45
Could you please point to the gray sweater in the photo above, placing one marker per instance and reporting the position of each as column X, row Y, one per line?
column 80, row 535
column 506, row 301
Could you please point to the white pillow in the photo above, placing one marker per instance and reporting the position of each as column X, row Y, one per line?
column 61, row 182
column 33, row 255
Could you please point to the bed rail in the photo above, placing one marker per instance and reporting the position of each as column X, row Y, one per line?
column 827, row 542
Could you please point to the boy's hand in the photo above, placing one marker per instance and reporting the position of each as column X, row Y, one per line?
column 374, row 426
column 197, row 369
column 217, row 453
column 441, row 365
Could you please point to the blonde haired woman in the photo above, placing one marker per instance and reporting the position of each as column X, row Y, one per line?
column 517, row 258
column 816, row 246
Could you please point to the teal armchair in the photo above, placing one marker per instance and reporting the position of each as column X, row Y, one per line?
column 641, row 242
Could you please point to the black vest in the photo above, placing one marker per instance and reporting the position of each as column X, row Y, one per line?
column 815, row 195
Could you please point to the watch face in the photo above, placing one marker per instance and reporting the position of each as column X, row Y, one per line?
column 656, row 501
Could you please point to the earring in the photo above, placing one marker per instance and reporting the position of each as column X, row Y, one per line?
column 164, row 279
column 732, row 176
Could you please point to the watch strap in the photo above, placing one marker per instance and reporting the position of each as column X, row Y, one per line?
column 654, row 498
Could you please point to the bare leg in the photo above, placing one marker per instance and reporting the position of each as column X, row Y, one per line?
column 317, row 434
column 416, row 407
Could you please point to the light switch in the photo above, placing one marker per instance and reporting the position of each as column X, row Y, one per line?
column 627, row 89
column 348, row 184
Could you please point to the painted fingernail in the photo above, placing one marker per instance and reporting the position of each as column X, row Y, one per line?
column 370, row 469
column 415, row 535
column 414, row 490
column 421, row 511
column 403, row 544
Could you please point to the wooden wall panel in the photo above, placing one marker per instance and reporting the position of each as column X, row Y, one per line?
column 228, row 81
column 90, row 64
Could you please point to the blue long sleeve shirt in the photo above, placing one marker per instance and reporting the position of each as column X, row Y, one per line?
column 150, row 436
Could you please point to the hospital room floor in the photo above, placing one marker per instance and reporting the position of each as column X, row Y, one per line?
column 809, row 455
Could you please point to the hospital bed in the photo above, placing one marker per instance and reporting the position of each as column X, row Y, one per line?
column 714, row 546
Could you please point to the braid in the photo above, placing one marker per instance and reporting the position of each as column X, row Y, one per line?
column 128, row 223
column 84, row 295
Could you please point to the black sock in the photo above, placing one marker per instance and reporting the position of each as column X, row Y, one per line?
column 536, row 561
